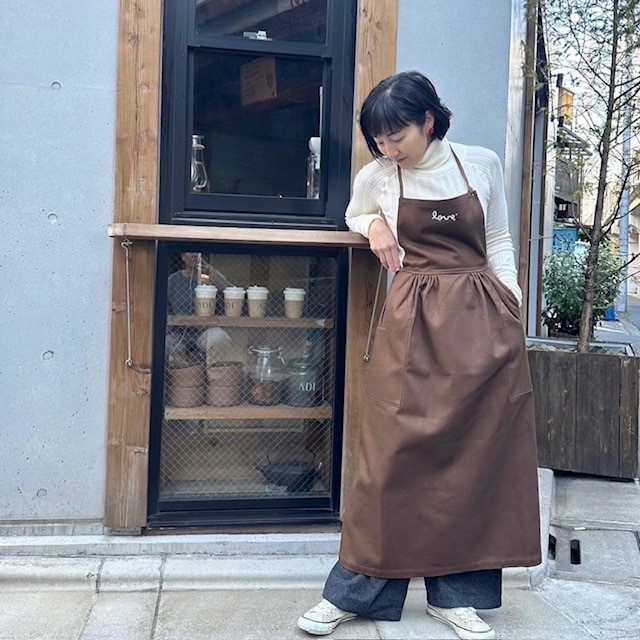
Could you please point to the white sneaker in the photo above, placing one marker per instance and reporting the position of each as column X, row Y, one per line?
column 323, row 618
column 464, row 621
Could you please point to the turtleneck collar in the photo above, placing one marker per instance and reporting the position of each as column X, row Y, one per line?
column 436, row 156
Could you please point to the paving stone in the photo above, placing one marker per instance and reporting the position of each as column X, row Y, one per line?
column 259, row 615
column 415, row 623
column 523, row 616
column 526, row 615
column 121, row 616
column 55, row 615
column 606, row 612
column 131, row 574
column 597, row 500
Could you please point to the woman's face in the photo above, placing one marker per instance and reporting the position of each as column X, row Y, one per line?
column 189, row 259
column 406, row 146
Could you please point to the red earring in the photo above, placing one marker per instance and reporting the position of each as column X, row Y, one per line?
column 430, row 131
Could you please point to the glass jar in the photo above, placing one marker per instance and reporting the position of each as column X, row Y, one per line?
column 303, row 383
column 266, row 370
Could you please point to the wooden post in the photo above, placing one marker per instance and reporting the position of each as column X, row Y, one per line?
column 375, row 60
column 527, row 151
column 137, row 155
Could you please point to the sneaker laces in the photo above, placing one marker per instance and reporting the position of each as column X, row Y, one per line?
column 324, row 606
column 466, row 614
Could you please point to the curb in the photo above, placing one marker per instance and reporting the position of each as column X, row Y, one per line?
column 546, row 488
column 174, row 573
column 199, row 562
column 270, row 544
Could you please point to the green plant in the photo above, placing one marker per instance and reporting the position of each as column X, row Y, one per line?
column 563, row 284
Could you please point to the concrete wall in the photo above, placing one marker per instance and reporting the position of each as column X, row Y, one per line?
column 57, row 118
column 473, row 50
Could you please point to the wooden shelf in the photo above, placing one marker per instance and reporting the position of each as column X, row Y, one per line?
column 245, row 321
column 237, row 235
column 249, row 412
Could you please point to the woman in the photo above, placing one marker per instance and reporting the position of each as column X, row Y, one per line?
column 446, row 485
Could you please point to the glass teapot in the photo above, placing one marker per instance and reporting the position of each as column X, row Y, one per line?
column 267, row 371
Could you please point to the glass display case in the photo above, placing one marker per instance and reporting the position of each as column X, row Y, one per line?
column 249, row 396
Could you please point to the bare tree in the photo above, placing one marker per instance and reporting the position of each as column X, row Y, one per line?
column 598, row 39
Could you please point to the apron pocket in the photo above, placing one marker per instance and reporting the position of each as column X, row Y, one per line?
column 518, row 365
column 508, row 297
column 387, row 367
column 518, row 371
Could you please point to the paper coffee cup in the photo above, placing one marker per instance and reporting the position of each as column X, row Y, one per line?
column 205, row 303
column 233, row 301
column 293, row 302
column 257, row 301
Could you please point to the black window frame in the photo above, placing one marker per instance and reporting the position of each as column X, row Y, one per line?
column 237, row 511
column 180, row 42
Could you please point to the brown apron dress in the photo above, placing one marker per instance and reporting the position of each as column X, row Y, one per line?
column 447, row 470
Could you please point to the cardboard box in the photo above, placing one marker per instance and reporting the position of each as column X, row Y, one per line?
column 258, row 81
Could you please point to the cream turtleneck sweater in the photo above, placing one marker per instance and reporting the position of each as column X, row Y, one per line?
column 437, row 177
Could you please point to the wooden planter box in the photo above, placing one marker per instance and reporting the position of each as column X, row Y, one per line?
column 586, row 411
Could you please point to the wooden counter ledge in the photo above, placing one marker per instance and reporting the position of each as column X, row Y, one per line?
column 237, row 235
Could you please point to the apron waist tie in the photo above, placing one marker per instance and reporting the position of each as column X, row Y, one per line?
column 445, row 270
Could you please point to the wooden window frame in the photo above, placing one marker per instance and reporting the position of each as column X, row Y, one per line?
column 136, row 202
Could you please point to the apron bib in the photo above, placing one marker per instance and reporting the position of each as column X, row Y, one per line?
column 447, row 469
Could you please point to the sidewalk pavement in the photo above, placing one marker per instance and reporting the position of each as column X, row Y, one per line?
column 228, row 587
column 626, row 327
column 205, row 587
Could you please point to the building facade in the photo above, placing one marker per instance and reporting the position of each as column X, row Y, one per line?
column 76, row 456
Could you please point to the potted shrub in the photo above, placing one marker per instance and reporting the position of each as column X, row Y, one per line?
column 586, row 403
column 563, row 285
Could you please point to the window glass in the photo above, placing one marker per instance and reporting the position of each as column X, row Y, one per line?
column 256, row 124
column 295, row 20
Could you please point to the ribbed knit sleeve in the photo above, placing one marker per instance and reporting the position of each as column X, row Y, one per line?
column 363, row 207
column 500, row 252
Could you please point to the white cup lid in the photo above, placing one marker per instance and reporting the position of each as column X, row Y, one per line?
column 206, row 289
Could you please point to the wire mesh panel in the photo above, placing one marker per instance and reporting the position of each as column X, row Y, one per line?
column 249, row 377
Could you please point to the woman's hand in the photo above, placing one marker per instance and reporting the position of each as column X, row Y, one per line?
column 384, row 245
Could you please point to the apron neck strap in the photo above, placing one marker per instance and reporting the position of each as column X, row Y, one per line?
column 462, row 171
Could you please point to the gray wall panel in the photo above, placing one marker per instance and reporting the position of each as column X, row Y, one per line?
column 56, row 199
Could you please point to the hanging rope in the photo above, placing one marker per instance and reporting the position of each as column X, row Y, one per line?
column 125, row 244
column 367, row 355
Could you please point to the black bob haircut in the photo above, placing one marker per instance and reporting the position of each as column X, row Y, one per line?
column 396, row 103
